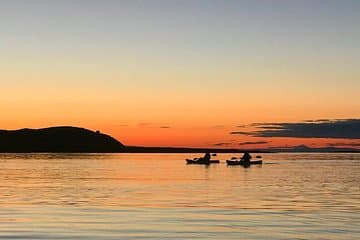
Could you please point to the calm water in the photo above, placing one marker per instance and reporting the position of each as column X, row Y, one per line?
column 157, row 196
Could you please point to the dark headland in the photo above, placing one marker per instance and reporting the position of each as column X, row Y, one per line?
column 68, row 139
column 74, row 139
column 57, row 139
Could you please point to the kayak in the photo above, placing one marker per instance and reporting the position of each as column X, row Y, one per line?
column 242, row 163
column 192, row 161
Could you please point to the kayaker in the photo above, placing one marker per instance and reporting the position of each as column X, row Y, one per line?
column 207, row 157
column 246, row 157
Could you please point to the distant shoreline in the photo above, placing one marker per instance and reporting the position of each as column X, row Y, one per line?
column 137, row 149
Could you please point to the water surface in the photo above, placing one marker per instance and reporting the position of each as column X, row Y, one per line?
column 158, row 196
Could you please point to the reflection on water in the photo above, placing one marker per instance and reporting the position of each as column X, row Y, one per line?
column 158, row 196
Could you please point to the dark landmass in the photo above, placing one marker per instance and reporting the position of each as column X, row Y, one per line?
column 80, row 140
column 57, row 139
column 137, row 149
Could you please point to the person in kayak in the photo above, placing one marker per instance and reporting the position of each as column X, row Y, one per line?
column 205, row 159
column 246, row 158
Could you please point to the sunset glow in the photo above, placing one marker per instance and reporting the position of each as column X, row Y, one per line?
column 180, row 73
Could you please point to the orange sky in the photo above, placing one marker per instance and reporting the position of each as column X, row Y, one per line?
column 201, row 71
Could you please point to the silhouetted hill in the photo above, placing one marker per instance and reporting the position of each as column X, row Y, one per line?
column 57, row 139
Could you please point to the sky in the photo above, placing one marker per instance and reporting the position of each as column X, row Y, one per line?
column 183, row 73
